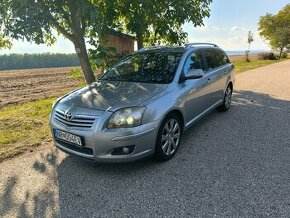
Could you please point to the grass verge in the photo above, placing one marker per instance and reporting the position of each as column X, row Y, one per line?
column 77, row 75
column 241, row 66
column 23, row 127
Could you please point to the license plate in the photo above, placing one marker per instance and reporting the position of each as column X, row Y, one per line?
column 68, row 137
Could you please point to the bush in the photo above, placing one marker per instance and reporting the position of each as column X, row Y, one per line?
column 77, row 74
column 284, row 55
column 267, row 56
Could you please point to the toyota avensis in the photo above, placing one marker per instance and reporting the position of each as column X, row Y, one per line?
column 141, row 106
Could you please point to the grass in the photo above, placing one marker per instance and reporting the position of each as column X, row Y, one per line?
column 77, row 75
column 242, row 65
column 23, row 127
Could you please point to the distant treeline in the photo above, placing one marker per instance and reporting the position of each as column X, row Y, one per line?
column 30, row 61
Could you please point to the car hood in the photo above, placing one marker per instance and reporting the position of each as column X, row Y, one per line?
column 112, row 95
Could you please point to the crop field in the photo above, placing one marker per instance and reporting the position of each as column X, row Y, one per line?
column 26, row 97
column 23, row 86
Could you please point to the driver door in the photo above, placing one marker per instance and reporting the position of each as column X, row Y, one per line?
column 197, row 90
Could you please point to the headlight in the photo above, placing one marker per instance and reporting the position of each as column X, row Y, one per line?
column 126, row 117
column 55, row 102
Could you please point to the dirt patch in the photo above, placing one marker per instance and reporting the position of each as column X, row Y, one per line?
column 22, row 86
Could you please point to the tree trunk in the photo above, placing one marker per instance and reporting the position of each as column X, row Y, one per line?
column 280, row 53
column 81, row 51
column 140, row 41
column 78, row 38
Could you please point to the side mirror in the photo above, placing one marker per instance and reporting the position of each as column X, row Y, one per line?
column 194, row 74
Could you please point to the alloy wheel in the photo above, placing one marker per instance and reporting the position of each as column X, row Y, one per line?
column 170, row 137
column 228, row 97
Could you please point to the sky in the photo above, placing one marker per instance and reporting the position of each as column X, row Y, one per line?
column 228, row 26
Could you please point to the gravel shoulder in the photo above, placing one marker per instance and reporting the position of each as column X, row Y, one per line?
column 233, row 164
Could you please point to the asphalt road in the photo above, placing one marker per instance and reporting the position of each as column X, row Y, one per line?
column 234, row 164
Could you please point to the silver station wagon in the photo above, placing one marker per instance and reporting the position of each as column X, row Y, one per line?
column 142, row 105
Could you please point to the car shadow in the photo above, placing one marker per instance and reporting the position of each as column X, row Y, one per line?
column 229, row 164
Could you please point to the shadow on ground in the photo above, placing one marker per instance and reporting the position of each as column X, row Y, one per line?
column 230, row 164
column 44, row 203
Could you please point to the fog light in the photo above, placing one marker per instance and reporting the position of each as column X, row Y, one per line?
column 123, row 150
column 126, row 150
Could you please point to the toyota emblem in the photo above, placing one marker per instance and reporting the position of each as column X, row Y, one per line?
column 68, row 116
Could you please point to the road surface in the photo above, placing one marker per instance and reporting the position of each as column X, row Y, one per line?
column 230, row 164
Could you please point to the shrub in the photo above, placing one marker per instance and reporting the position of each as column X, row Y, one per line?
column 77, row 74
column 284, row 55
column 267, row 56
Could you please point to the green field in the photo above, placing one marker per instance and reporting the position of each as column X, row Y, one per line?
column 241, row 66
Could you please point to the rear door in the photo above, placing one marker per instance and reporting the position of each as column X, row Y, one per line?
column 217, row 68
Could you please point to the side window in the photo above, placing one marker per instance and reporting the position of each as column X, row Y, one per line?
column 225, row 58
column 215, row 58
column 194, row 61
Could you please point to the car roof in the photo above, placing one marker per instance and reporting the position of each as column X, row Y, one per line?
column 179, row 49
column 154, row 49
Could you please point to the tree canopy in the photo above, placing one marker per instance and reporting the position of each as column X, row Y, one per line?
column 276, row 29
column 160, row 21
column 151, row 21
column 34, row 20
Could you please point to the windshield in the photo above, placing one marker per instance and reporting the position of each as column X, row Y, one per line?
column 145, row 67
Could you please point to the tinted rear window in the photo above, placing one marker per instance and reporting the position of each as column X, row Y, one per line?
column 215, row 58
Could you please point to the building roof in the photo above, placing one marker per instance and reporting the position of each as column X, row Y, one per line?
column 120, row 34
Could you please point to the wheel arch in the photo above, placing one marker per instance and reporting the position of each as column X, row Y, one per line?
column 176, row 112
column 231, row 85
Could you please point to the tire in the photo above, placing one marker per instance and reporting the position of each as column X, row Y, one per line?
column 169, row 137
column 227, row 99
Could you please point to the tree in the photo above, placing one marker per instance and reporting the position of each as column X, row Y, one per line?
column 4, row 43
column 150, row 20
column 276, row 29
column 161, row 21
column 250, row 40
column 34, row 20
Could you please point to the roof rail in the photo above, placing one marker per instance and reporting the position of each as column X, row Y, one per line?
column 199, row 43
column 152, row 47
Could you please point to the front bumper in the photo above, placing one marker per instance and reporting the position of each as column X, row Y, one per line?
column 99, row 143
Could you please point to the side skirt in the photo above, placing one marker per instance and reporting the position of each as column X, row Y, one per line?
column 198, row 117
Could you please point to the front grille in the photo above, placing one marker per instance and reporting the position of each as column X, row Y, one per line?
column 84, row 150
column 78, row 120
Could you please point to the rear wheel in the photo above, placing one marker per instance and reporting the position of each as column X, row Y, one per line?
column 168, row 139
column 227, row 99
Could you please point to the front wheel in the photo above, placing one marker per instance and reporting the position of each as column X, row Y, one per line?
column 227, row 99
column 168, row 139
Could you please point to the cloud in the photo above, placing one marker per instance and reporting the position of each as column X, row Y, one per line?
column 205, row 27
column 229, row 38
column 236, row 28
